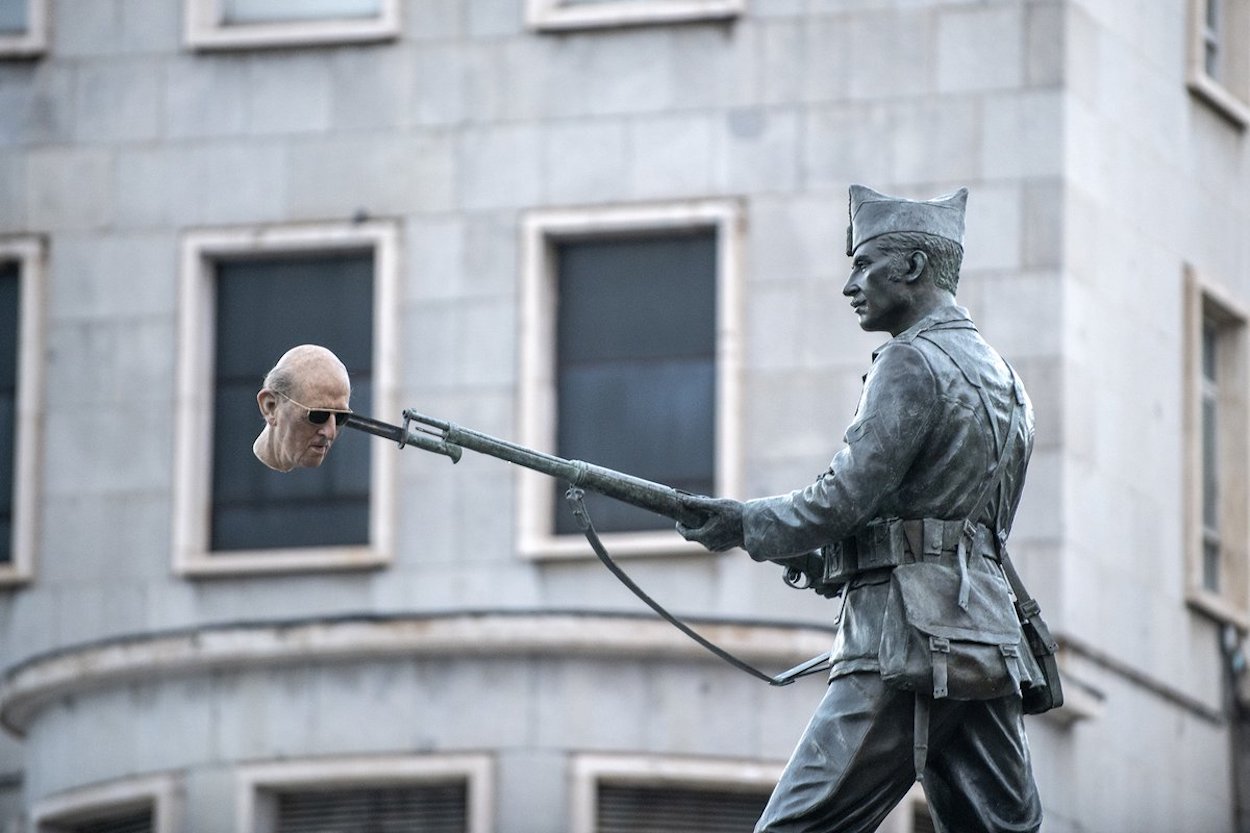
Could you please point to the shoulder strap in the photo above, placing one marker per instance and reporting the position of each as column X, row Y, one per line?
column 1003, row 446
column 995, row 480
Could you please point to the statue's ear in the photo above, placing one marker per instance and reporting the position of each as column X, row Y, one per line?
column 917, row 263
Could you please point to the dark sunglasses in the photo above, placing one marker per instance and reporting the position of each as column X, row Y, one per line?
column 319, row 416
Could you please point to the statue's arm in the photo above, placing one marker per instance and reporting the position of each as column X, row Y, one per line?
column 895, row 416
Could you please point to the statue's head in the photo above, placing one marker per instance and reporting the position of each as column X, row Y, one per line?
column 906, row 256
column 304, row 402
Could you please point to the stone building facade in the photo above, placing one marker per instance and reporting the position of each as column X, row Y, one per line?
column 458, row 195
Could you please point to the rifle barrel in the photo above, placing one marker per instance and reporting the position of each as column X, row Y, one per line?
column 645, row 494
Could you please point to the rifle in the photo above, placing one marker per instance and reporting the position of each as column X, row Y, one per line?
column 448, row 439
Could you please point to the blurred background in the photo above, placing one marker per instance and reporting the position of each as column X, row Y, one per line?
column 612, row 230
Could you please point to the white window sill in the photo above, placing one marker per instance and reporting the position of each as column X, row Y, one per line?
column 555, row 15
column 25, row 45
column 1218, row 608
column 205, row 31
column 254, row 562
column 1217, row 96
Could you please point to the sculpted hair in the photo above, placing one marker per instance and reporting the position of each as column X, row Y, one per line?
column 945, row 256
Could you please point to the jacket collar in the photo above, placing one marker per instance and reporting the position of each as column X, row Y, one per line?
column 950, row 316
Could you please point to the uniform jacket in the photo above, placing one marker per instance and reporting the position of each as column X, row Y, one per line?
column 921, row 445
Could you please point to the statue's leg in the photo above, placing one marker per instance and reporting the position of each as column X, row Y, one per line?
column 980, row 776
column 852, row 765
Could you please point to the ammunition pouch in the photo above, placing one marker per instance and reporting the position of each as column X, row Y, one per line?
column 889, row 542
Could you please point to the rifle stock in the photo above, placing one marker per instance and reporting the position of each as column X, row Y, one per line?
column 446, row 438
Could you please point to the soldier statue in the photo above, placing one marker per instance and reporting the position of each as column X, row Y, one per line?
column 908, row 524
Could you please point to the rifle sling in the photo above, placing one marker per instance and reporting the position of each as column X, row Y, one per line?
column 574, row 497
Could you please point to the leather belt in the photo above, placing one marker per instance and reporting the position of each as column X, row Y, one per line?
column 889, row 542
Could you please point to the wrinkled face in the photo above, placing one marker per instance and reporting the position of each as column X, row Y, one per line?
column 880, row 296
column 296, row 440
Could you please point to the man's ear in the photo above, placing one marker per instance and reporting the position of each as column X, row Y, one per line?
column 267, row 400
column 917, row 262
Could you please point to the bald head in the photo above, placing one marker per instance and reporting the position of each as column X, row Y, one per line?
column 299, row 364
column 307, row 379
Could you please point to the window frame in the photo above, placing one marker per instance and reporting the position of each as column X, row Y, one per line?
column 163, row 793
column 29, row 253
column 253, row 780
column 1229, row 97
column 591, row 770
column 1204, row 301
column 542, row 231
column 557, row 15
column 204, row 29
column 33, row 42
column 193, row 407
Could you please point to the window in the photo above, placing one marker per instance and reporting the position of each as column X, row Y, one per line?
column 434, row 794
column 10, row 330
column 325, row 299
column 636, row 365
column 638, row 794
column 1219, row 61
column 432, row 808
column 1219, row 454
column 227, row 24
column 629, row 362
column 23, row 28
column 625, row 808
column 584, row 14
column 141, row 805
column 125, row 821
column 247, row 299
column 21, row 316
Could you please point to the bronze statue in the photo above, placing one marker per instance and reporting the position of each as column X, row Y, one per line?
column 909, row 524
column 939, row 649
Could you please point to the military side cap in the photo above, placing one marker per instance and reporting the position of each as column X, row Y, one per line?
column 874, row 214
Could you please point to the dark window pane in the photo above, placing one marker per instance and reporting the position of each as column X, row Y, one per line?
column 1210, row 465
column 636, row 366
column 13, row 16
column 637, row 298
column 430, row 808
column 1211, row 566
column 131, row 822
column 275, row 11
column 630, row 809
column 10, row 305
column 265, row 307
column 1210, row 351
column 8, row 474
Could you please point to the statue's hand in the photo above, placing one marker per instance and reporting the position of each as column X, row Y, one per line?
column 722, row 529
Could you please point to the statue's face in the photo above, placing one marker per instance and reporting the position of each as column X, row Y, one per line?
column 880, row 296
column 296, row 440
